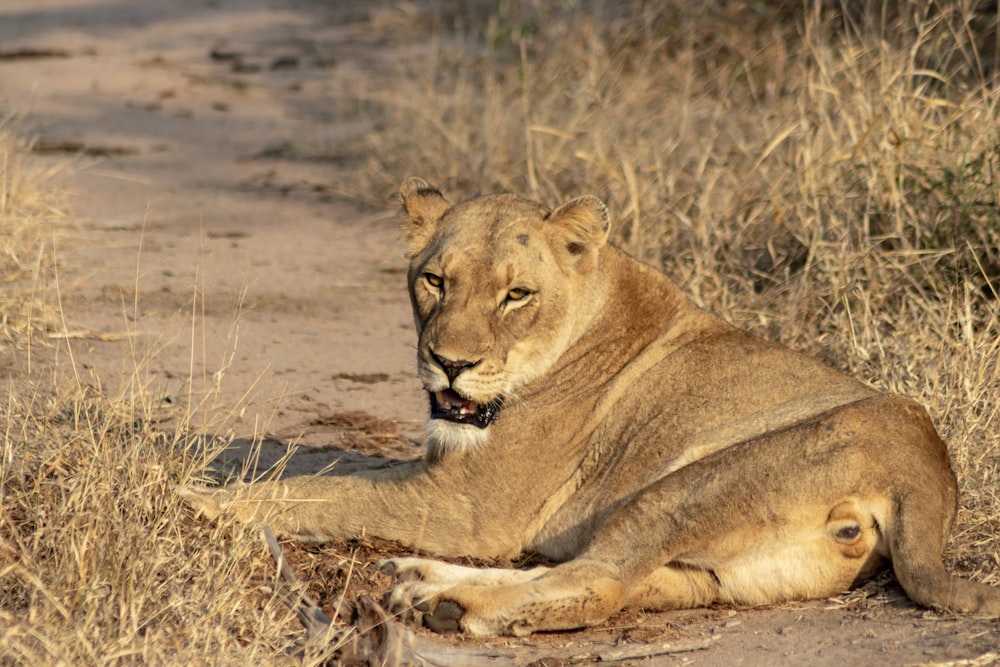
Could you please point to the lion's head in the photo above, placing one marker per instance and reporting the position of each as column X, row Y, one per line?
column 501, row 287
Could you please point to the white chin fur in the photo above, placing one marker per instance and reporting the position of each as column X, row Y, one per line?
column 444, row 436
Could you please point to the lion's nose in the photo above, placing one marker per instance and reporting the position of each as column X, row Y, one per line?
column 453, row 367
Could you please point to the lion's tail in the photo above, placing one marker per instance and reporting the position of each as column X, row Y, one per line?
column 916, row 548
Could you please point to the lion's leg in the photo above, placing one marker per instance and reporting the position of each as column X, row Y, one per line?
column 572, row 595
column 675, row 587
column 437, row 572
column 401, row 503
column 313, row 508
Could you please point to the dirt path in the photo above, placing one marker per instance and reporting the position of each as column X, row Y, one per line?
column 182, row 115
column 207, row 136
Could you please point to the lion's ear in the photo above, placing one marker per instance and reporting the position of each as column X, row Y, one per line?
column 582, row 225
column 424, row 205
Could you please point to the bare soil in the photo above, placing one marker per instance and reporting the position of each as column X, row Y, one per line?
column 209, row 140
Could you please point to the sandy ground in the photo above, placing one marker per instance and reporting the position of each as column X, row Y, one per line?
column 205, row 137
column 182, row 190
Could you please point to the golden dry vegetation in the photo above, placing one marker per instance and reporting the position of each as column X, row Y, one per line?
column 824, row 177
column 99, row 562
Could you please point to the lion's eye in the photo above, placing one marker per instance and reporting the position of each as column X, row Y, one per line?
column 434, row 280
column 518, row 294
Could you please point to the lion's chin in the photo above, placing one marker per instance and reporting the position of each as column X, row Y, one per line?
column 448, row 405
column 448, row 436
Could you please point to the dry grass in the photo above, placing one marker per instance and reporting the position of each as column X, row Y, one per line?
column 825, row 180
column 99, row 562
column 30, row 214
column 101, row 565
column 826, row 177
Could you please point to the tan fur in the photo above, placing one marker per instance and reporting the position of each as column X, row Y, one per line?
column 666, row 458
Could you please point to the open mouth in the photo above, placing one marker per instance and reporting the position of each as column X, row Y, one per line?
column 447, row 404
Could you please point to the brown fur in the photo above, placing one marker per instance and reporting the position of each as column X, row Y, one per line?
column 669, row 459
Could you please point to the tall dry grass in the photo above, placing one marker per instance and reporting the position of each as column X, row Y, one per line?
column 823, row 173
column 99, row 562
column 29, row 225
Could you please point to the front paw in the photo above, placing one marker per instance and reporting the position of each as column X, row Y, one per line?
column 427, row 604
column 206, row 501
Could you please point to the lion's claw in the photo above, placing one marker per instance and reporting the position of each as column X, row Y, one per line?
column 388, row 567
column 405, row 569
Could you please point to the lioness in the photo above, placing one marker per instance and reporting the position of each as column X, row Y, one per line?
column 583, row 408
